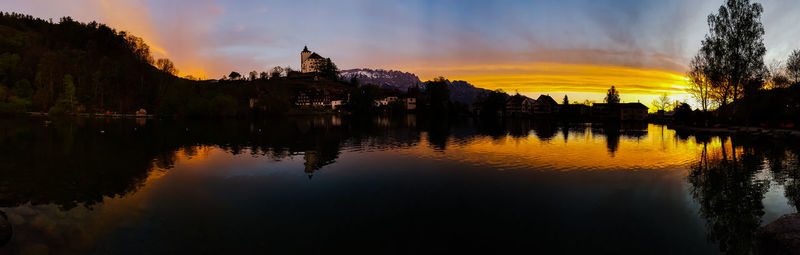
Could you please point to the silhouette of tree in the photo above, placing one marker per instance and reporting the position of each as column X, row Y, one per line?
column 699, row 86
column 263, row 76
column 439, row 94
column 612, row 97
column 734, row 49
column 253, row 75
column 566, row 100
column 235, row 76
column 793, row 66
column 167, row 66
column 277, row 71
column 778, row 76
column 140, row 49
column 327, row 69
column 662, row 102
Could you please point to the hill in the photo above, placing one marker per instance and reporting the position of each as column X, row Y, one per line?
column 80, row 67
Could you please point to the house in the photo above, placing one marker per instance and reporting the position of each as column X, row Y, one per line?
column 545, row 105
column 309, row 61
column 623, row 111
column 302, row 99
column 574, row 110
column 336, row 104
column 633, row 111
column 411, row 103
column 519, row 105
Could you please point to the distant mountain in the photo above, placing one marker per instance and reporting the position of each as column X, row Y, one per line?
column 460, row 91
column 384, row 78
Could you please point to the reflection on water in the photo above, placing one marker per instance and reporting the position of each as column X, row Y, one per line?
column 308, row 185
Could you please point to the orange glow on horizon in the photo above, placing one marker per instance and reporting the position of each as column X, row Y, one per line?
column 579, row 81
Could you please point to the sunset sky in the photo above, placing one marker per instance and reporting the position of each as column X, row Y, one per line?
column 579, row 47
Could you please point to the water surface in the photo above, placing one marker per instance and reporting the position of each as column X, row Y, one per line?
column 403, row 185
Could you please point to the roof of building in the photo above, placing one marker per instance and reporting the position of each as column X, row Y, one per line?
column 634, row 105
column 518, row 99
column 624, row 105
column 546, row 99
column 315, row 56
column 305, row 49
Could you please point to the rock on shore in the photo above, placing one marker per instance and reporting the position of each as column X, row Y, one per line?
column 782, row 236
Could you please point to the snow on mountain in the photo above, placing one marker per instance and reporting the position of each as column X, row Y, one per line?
column 460, row 91
column 383, row 78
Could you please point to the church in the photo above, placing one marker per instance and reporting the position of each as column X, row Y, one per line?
column 310, row 61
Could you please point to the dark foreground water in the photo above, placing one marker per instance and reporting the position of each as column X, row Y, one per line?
column 332, row 185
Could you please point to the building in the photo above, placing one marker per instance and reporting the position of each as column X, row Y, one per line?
column 411, row 103
column 622, row 111
column 519, row 105
column 309, row 61
column 574, row 111
column 545, row 105
column 336, row 104
column 633, row 111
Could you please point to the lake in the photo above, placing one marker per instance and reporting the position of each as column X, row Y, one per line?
column 385, row 185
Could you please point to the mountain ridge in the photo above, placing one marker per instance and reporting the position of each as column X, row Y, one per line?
column 460, row 91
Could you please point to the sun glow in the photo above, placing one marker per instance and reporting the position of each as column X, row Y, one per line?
column 579, row 82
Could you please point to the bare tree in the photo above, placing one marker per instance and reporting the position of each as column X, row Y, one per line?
column 777, row 76
column 699, row 86
column 276, row 72
column 167, row 66
column 662, row 102
column 793, row 66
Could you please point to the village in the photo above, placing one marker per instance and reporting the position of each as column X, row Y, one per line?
column 335, row 99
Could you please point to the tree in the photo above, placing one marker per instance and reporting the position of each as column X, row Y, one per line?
column 140, row 49
column 253, row 75
column 327, row 69
column 778, row 77
column 662, row 102
column 566, row 100
column 277, row 71
column 612, row 97
column 235, row 76
column 439, row 94
column 66, row 102
column 699, row 86
column 734, row 48
column 793, row 66
column 167, row 66
column 69, row 92
column 23, row 89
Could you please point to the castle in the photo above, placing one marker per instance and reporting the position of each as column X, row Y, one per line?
column 310, row 61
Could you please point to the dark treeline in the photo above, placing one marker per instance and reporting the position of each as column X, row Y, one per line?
column 70, row 67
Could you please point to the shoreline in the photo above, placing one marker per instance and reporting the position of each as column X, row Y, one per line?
column 739, row 130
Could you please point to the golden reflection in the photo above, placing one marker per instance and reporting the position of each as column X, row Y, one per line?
column 580, row 149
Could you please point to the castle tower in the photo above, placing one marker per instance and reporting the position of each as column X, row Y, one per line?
column 304, row 55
